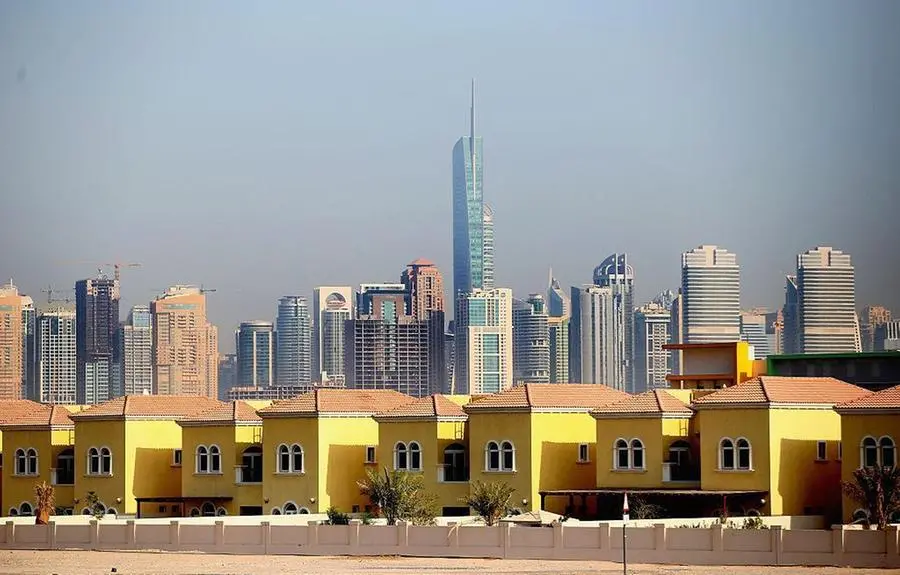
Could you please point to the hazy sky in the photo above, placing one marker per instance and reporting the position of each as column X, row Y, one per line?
column 264, row 148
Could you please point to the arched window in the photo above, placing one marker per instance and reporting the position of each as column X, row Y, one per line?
column 202, row 459
column 455, row 463
column 860, row 516
column 726, row 454
column 208, row 509
column 492, row 456
column 415, row 456
column 637, row 454
column 284, row 459
column 251, row 465
column 290, row 508
column 93, row 461
column 25, row 509
column 304, row 511
column 276, row 511
column 31, row 461
column 296, row 458
column 21, row 462
column 508, row 453
column 215, row 459
column 195, row 512
column 221, row 512
column 745, row 454
column 868, row 452
column 105, row 461
column 65, row 467
column 112, row 511
column 13, row 512
column 621, row 454
column 886, row 445
column 401, row 456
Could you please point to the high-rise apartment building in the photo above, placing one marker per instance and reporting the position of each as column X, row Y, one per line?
column 255, row 346
column 775, row 331
column 484, row 341
column 558, row 304
column 469, row 214
column 29, row 350
column 617, row 274
column 652, row 363
column 828, row 321
column 134, row 353
column 558, row 336
column 368, row 292
column 425, row 284
column 790, row 333
column 185, row 344
column 228, row 377
column 12, row 342
column 531, row 341
column 332, row 307
column 57, row 357
column 887, row 336
column 97, row 321
column 596, row 338
column 711, row 288
column 676, row 330
column 487, row 223
column 753, row 331
column 874, row 316
column 293, row 336
column 390, row 348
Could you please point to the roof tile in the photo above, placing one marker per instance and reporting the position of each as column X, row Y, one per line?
column 549, row 396
column 11, row 410
column 767, row 389
column 37, row 415
column 435, row 405
column 655, row 401
column 356, row 401
column 885, row 399
column 163, row 406
column 228, row 412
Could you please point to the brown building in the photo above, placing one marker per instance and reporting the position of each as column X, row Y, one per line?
column 426, row 288
column 11, row 342
column 185, row 344
column 874, row 316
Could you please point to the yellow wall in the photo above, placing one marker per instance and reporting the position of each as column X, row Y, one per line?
column 281, row 488
column 515, row 427
column 752, row 424
column 853, row 429
column 655, row 433
column 554, row 461
column 99, row 434
column 48, row 444
column 800, row 484
column 149, row 472
column 342, row 444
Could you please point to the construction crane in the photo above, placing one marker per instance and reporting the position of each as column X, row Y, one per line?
column 205, row 290
column 50, row 292
column 116, row 266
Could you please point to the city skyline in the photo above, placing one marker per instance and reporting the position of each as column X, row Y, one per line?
column 741, row 138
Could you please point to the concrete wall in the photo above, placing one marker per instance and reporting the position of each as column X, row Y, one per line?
column 656, row 544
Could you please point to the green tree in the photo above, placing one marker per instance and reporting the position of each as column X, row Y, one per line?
column 92, row 501
column 399, row 495
column 335, row 517
column 877, row 489
column 489, row 500
column 44, row 499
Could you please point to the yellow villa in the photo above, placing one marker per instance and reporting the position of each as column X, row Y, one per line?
column 40, row 443
column 11, row 411
column 319, row 445
column 428, row 436
column 129, row 453
column 870, row 429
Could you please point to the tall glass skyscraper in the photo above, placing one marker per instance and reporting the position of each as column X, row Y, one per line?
column 711, row 288
column 469, row 215
column 484, row 341
column 828, row 322
column 616, row 274
column 531, row 341
column 254, row 344
column 97, row 321
column 134, row 361
column 293, row 348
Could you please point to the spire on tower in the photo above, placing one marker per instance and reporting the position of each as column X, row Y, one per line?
column 472, row 115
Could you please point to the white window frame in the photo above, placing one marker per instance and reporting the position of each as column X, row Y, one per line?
column 106, row 455
column 492, row 447
column 401, row 449
column 215, row 469
column 201, row 458
column 371, row 454
column 881, row 449
column 281, row 450
column 413, row 447
column 30, row 509
column 862, row 451
column 503, row 452
column 26, row 455
column 584, row 453
column 821, row 450
column 616, row 449
column 99, row 454
column 290, row 451
column 295, row 511
column 177, row 457
column 737, row 454
column 297, row 448
column 721, row 450
column 632, row 449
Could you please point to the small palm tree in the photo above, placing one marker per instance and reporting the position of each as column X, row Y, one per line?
column 44, row 499
column 400, row 496
column 489, row 500
column 876, row 488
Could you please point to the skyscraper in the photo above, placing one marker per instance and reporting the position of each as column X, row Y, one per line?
column 711, row 288
column 97, row 321
column 332, row 307
column 57, row 358
column 753, row 331
column 135, row 353
column 484, row 341
column 29, row 349
column 790, row 334
column 185, row 344
column 828, row 322
column 425, row 284
column 469, row 213
column 293, row 349
column 596, row 342
column 652, row 363
column 676, row 330
column 487, row 222
column 367, row 293
column 255, row 346
column 531, row 341
column 12, row 343
column 558, row 304
column 617, row 274
column 874, row 316
column 558, row 335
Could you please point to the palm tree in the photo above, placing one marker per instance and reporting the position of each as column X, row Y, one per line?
column 44, row 499
column 876, row 488
column 489, row 500
column 400, row 496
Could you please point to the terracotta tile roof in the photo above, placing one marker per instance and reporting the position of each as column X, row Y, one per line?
column 159, row 406
column 38, row 415
column 549, row 396
column 12, row 410
column 349, row 401
column 226, row 412
column 653, row 402
column 432, row 406
column 884, row 399
column 768, row 389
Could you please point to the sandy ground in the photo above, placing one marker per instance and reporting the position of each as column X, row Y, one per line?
column 135, row 563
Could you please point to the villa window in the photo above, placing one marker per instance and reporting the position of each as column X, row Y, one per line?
column 821, row 450
column 492, row 456
column 26, row 461
column 726, row 454
column 508, row 452
column 370, row 454
column 455, row 463
column 583, row 453
column 65, row 467
column 745, row 459
column 251, row 465
column 887, row 451
column 215, row 459
column 621, row 454
column 99, row 461
column 415, row 456
column 202, row 459
column 296, row 459
column 290, row 508
column 105, row 461
column 284, row 459
column 869, row 452
column 680, row 453
column 208, row 509
column 25, row 509
column 401, row 456
column 637, row 454
column 176, row 458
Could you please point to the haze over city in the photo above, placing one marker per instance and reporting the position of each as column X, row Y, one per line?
column 265, row 149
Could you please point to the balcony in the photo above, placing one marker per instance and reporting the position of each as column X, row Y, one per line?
column 683, row 475
column 452, row 474
column 247, row 475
